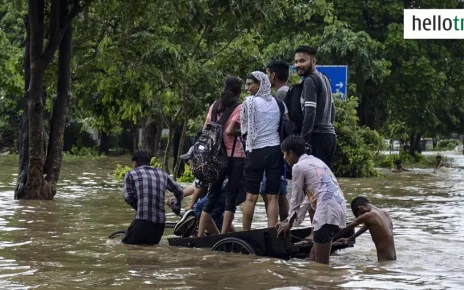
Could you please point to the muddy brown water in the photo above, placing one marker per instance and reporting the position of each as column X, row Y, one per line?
column 62, row 244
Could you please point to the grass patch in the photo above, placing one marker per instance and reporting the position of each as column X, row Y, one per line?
column 416, row 161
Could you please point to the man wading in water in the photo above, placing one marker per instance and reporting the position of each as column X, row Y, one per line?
column 144, row 191
column 378, row 223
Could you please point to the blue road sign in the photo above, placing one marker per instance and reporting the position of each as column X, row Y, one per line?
column 338, row 76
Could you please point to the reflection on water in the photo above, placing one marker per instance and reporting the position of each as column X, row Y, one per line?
column 62, row 244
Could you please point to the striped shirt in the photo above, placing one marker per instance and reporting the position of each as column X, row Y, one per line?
column 144, row 190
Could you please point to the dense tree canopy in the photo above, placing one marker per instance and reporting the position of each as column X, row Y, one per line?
column 160, row 64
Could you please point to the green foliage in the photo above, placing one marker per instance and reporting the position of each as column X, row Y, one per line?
column 187, row 177
column 155, row 163
column 120, row 172
column 447, row 145
column 354, row 156
column 80, row 153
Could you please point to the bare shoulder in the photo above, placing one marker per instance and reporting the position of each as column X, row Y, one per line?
column 385, row 213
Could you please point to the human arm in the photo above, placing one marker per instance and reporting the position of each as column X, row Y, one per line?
column 196, row 196
column 287, row 116
column 233, row 129
column 333, row 112
column 362, row 219
column 208, row 117
column 244, row 116
column 129, row 191
column 309, row 106
column 296, row 200
column 361, row 231
column 176, row 189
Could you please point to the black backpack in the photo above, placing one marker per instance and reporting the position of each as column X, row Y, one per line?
column 285, row 126
column 209, row 160
column 293, row 103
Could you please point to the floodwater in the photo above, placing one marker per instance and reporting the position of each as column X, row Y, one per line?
column 62, row 244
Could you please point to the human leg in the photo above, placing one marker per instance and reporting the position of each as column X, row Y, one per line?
column 206, row 221
column 274, row 171
column 234, row 184
column 253, row 172
column 323, row 243
column 142, row 232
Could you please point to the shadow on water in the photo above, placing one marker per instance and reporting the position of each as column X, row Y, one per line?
column 62, row 244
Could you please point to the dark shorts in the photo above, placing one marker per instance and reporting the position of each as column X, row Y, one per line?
column 325, row 234
column 142, row 232
column 283, row 183
column 323, row 146
column 234, row 174
column 268, row 161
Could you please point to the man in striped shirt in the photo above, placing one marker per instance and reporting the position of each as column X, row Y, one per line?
column 317, row 105
column 144, row 191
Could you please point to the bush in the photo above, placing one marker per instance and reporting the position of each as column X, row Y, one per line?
column 187, row 177
column 78, row 153
column 155, row 163
column 356, row 146
column 120, row 172
column 447, row 145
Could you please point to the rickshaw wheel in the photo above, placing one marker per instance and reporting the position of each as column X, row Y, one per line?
column 115, row 234
column 233, row 245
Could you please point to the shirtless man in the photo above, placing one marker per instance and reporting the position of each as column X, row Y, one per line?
column 399, row 167
column 439, row 162
column 378, row 223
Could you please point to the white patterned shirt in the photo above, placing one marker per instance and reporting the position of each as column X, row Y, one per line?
column 313, row 183
column 267, row 121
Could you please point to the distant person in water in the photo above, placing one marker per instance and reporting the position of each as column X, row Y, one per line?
column 399, row 167
column 144, row 191
column 439, row 162
column 378, row 223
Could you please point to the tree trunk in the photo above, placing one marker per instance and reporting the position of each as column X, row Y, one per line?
column 179, row 163
column 135, row 138
column 149, row 137
column 414, row 143
column 20, row 191
column 168, row 150
column 32, row 154
column 159, row 131
column 178, row 169
column 104, row 147
column 34, row 182
column 60, row 112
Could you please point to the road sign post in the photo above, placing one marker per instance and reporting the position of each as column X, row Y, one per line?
column 338, row 76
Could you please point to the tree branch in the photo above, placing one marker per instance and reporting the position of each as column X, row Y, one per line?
column 224, row 47
column 52, row 45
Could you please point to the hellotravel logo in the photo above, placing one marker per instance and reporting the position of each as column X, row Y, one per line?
column 433, row 24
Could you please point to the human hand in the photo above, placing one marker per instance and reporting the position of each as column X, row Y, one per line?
column 283, row 228
column 174, row 205
column 344, row 241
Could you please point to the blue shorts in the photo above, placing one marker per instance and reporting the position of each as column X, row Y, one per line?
column 283, row 182
column 218, row 212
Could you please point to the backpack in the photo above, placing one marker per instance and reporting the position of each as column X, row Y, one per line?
column 285, row 126
column 293, row 103
column 209, row 156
